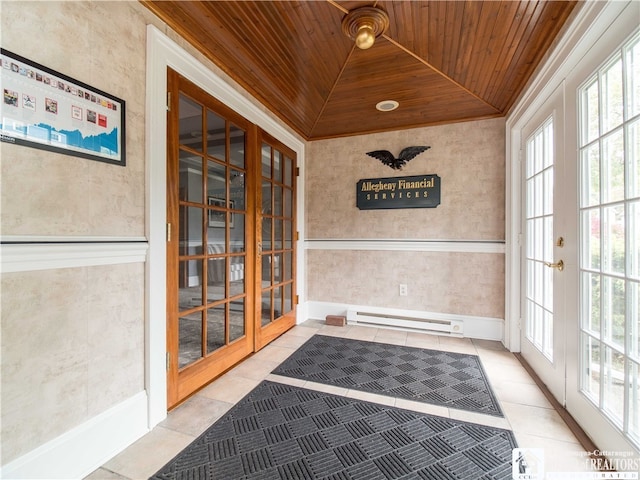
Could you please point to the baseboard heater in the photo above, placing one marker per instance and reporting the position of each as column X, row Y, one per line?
column 423, row 322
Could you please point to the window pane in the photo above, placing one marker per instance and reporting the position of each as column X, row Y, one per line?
column 277, row 268
column 216, row 184
column 530, row 279
column 288, row 262
column 236, row 320
column 236, row 140
column 591, row 300
column 266, row 233
column 189, row 339
column 613, row 239
column 236, row 276
column 266, row 160
column 190, row 281
column 548, row 239
column 591, row 380
column 613, row 167
column 190, row 133
column 190, row 177
column 634, row 401
column 548, row 191
column 613, row 310
column 632, row 60
column 530, row 320
column 216, row 327
column 216, row 136
column 288, row 172
column 278, row 294
column 538, row 315
column 634, row 315
column 633, row 232
column 236, row 233
column 288, row 234
column 266, row 270
column 237, row 190
column 277, row 200
column 190, row 231
column 590, row 184
column 548, row 145
column 266, row 198
column 288, row 298
column 266, row 308
column 288, row 203
column 538, row 238
column 612, row 96
column 590, row 114
column 216, row 279
column 591, row 239
column 278, row 234
column 548, row 335
column 633, row 159
column 613, row 382
column 278, row 158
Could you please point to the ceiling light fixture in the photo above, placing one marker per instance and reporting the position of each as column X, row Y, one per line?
column 365, row 24
column 387, row 105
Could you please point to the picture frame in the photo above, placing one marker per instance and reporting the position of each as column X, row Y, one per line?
column 45, row 109
column 217, row 217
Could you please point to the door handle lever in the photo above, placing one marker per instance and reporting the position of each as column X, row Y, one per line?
column 559, row 265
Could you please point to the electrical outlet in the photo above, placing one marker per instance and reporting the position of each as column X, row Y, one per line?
column 403, row 289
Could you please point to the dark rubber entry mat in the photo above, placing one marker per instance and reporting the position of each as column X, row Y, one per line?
column 449, row 379
column 283, row 432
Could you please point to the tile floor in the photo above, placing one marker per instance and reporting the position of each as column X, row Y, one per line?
column 527, row 412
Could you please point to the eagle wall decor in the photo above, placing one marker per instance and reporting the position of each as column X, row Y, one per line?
column 387, row 158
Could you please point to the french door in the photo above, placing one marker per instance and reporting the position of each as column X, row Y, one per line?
column 230, row 263
column 547, row 245
column 604, row 395
column 276, row 242
column 581, row 249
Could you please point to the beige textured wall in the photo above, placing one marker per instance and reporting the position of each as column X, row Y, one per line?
column 72, row 347
column 469, row 157
column 73, row 338
column 102, row 44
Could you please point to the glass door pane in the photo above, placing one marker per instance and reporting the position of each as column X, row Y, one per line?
column 212, row 208
column 609, row 232
column 277, row 190
column 539, row 171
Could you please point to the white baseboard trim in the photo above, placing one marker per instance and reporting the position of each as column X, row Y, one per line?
column 481, row 328
column 32, row 257
column 80, row 451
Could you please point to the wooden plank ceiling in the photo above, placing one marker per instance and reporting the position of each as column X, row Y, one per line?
column 443, row 61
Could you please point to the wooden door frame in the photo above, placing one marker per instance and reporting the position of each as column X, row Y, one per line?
column 162, row 53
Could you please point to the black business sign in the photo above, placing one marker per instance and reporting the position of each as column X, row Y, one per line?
column 418, row 191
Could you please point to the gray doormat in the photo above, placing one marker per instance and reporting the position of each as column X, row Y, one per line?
column 449, row 379
column 281, row 432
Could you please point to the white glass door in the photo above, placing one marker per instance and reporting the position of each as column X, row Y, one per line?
column 544, row 241
column 605, row 395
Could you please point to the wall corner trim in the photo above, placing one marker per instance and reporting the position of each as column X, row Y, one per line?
column 76, row 453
